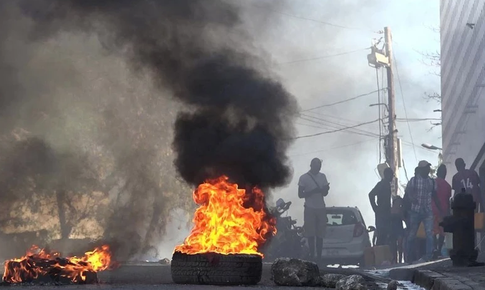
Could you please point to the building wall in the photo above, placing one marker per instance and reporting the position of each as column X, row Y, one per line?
column 463, row 82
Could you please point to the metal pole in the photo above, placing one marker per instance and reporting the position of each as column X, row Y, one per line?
column 392, row 141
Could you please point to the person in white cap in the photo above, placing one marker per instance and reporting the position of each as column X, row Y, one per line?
column 421, row 192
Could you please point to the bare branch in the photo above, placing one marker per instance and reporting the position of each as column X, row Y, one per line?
column 432, row 97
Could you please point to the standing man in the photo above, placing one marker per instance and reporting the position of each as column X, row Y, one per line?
column 397, row 230
column 444, row 195
column 382, row 209
column 313, row 187
column 467, row 179
column 421, row 191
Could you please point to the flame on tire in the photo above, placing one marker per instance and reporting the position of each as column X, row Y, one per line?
column 228, row 221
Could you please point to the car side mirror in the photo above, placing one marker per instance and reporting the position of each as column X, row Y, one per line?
column 371, row 229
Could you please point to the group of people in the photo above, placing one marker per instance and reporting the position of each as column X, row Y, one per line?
column 426, row 201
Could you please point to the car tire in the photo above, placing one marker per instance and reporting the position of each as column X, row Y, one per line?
column 216, row 269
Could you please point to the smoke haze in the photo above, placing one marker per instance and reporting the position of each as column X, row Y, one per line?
column 102, row 81
column 74, row 91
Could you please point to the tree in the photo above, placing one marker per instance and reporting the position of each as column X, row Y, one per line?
column 432, row 59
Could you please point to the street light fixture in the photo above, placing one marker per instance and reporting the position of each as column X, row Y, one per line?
column 380, row 104
column 431, row 147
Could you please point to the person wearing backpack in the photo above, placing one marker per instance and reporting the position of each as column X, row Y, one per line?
column 313, row 187
column 420, row 194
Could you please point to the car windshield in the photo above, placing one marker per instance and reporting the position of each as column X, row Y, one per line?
column 341, row 218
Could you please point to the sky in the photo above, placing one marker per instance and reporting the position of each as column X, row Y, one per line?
column 349, row 159
column 318, row 49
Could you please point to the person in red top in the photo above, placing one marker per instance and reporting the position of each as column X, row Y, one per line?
column 467, row 179
column 444, row 194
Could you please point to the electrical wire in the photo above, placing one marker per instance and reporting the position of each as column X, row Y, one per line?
column 322, row 57
column 315, row 20
column 325, row 123
column 336, row 130
column 320, row 114
column 331, row 148
column 405, row 170
column 416, row 119
column 308, row 125
column 340, row 102
column 405, row 110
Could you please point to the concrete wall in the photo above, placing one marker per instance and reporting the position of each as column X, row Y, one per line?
column 463, row 82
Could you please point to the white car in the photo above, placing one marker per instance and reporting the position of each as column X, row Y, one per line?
column 346, row 238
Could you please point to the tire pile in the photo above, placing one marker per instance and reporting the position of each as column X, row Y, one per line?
column 216, row 269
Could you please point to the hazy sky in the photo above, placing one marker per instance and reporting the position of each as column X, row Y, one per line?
column 296, row 31
column 314, row 29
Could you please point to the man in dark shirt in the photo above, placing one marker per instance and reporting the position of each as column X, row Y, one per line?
column 382, row 209
column 467, row 179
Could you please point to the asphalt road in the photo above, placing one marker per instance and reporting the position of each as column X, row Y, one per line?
column 156, row 276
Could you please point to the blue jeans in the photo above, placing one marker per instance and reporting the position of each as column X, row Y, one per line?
column 415, row 220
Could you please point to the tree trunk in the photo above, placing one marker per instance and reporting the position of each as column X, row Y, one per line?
column 65, row 227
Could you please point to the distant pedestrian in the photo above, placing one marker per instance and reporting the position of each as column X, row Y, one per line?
column 467, row 179
column 382, row 208
column 406, row 207
column 444, row 194
column 313, row 187
column 421, row 191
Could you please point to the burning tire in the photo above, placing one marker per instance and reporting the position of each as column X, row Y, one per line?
column 216, row 269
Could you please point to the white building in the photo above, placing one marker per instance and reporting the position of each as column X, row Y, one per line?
column 463, row 83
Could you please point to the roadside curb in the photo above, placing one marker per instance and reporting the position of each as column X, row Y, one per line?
column 443, row 281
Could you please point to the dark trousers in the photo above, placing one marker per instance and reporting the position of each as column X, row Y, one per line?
column 383, row 227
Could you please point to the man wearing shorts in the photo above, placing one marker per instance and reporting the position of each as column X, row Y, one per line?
column 313, row 187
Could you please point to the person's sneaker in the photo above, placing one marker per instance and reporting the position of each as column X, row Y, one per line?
column 420, row 261
column 436, row 255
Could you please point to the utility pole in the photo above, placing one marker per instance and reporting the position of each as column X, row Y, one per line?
column 383, row 58
column 392, row 141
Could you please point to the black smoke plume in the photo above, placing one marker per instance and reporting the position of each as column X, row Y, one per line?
column 240, row 116
column 237, row 119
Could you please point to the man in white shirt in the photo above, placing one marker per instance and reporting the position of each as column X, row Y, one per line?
column 313, row 186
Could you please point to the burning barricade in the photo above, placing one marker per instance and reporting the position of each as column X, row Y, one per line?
column 229, row 227
column 41, row 266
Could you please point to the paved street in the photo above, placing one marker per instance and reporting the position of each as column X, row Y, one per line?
column 156, row 276
column 442, row 275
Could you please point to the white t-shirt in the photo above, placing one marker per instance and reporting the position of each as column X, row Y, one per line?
column 308, row 184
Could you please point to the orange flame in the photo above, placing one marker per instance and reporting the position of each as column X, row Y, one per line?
column 228, row 221
column 38, row 262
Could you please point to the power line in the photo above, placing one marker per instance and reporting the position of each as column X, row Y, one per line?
column 331, row 148
column 342, row 101
column 405, row 110
column 417, row 119
column 308, row 125
column 329, row 116
column 315, row 20
column 322, row 57
column 336, row 130
column 325, row 123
